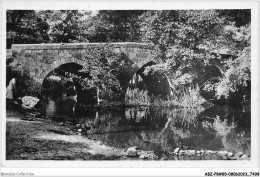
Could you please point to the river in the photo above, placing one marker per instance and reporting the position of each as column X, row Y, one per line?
column 157, row 129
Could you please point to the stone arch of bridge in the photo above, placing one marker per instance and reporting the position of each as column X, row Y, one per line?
column 136, row 69
column 159, row 85
column 68, row 61
column 221, row 68
column 60, row 62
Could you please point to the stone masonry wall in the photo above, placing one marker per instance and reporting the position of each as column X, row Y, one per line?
column 43, row 58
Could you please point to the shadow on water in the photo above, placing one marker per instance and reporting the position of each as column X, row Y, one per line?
column 161, row 129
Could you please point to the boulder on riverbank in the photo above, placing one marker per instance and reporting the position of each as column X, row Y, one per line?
column 136, row 152
column 132, row 151
column 29, row 101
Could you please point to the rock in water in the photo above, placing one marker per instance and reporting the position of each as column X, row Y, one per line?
column 132, row 152
column 191, row 152
column 230, row 154
column 198, row 152
column 244, row 156
column 142, row 156
column 176, row 150
column 223, row 153
column 239, row 154
column 208, row 152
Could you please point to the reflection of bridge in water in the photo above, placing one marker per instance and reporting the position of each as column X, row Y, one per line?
column 162, row 130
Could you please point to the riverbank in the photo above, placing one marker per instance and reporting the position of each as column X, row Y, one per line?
column 43, row 139
column 30, row 138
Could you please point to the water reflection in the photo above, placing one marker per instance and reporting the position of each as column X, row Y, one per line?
column 162, row 129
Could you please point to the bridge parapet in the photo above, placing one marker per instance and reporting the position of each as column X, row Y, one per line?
column 80, row 45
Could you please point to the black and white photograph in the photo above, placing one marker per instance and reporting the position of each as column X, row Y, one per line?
column 141, row 85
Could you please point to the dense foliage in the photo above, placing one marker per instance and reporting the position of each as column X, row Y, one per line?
column 25, row 85
column 194, row 45
column 109, row 72
column 106, row 72
column 25, row 27
column 191, row 42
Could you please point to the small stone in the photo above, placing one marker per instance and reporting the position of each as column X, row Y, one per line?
column 198, row 152
column 23, row 155
column 176, row 150
column 181, row 152
column 79, row 130
column 230, row 154
column 155, row 157
column 223, row 153
column 239, row 154
column 132, row 152
column 244, row 156
column 139, row 152
column 61, row 123
column 208, row 152
column 188, row 153
column 78, row 125
column 142, row 156
column 191, row 151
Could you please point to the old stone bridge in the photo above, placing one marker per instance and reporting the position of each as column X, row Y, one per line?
column 41, row 59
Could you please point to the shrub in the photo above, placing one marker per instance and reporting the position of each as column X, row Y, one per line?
column 25, row 84
column 188, row 97
column 137, row 97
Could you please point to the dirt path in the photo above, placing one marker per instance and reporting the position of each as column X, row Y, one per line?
column 43, row 139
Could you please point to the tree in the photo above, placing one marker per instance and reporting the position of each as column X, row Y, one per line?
column 117, row 25
column 237, row 78
column 25, row 27
column 65, row 25
column 191, row 41
column 108, row 72
column 185, row 39
column 241, row 17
